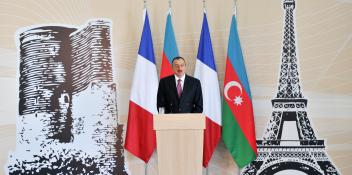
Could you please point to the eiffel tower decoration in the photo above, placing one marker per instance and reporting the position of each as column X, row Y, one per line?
column 289, row 144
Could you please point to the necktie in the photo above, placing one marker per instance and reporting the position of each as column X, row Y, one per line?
column 179, row 88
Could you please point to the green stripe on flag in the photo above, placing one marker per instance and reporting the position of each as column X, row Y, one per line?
column 234, row 138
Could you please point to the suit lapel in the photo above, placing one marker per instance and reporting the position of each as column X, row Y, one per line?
column 173, row 86
column 185, row 89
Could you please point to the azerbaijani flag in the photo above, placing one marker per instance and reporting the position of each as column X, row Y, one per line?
column 238, row 131
column 170, row 48
column 205, row 71
column 140, row 136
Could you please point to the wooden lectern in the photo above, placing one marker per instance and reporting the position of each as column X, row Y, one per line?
column 179, row 143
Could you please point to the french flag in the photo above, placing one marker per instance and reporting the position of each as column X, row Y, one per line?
column 205, row 71
column 140, row 136
column 170, row 48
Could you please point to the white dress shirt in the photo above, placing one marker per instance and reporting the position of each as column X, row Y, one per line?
column 182, row 80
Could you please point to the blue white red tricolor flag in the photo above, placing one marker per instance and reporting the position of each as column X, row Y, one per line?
column 205, row 71
column 170, row 48
column 140, row 136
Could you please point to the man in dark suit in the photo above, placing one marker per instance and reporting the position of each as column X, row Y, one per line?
column 180, row 93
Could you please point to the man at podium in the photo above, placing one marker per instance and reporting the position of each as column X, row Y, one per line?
column 179, row 93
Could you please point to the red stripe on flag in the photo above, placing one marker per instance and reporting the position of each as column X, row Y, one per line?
column 166, row 67
column 243, row 113
column 212, row 135
column 140, row 136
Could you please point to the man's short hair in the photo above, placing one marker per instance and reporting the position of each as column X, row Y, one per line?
column 178, row 58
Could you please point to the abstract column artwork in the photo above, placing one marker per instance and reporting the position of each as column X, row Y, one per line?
column 67, row 121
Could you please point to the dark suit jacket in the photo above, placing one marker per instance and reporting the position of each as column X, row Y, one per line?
column 191, row 100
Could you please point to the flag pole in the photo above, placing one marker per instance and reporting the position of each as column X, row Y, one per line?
column 170, row 7
column 146, row 163
column 170, row 1
column 235, row 13
column 235, row 8
column 146, row 168
column 205, row 11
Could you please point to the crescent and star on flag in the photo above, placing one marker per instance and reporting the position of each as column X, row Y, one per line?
column 238, row 100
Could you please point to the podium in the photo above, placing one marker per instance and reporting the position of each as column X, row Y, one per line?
column 179, row 143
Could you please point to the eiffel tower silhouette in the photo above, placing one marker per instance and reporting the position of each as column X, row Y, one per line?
column 289, row 143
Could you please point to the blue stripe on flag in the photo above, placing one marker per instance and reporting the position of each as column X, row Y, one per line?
column 205, row 49
column 235, row 55
column 146, row 45
column 170, row 46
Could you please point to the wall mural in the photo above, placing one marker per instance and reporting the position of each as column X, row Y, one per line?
column 289, row 144
column 67, row 121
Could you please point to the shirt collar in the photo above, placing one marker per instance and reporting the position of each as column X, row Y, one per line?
column 182, row 78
